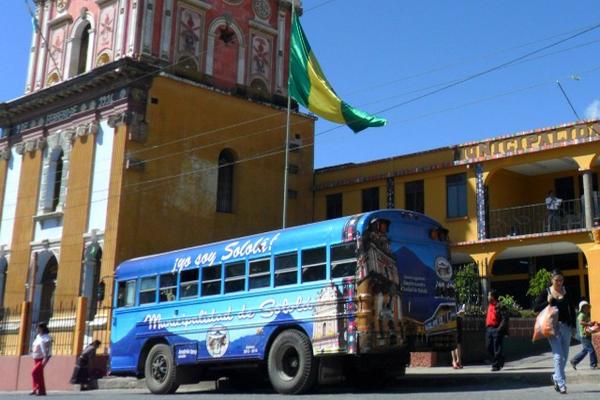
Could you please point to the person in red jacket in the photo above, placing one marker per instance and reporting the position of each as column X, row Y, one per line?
column 496, row 327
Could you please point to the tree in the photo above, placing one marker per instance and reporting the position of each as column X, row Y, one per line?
column 466, row 281
column 540, row 281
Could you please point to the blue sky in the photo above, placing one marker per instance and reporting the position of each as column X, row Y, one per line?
column 383, row 53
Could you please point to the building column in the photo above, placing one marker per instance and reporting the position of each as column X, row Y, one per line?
column 480, row 193
column 390, row 193
column 587, row 198
column 592, row 255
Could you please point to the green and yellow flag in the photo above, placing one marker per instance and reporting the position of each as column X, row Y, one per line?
column 309, row 87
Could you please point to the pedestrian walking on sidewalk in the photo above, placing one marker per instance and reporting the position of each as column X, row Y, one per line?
column 82, row 373
column 41, row 351
column 496, row 327
column 585, row 336
column 556, row 295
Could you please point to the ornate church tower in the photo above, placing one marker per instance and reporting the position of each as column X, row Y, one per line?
column 237, row 45
column 147, row 126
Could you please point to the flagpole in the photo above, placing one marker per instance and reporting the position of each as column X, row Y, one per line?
column 287, row 125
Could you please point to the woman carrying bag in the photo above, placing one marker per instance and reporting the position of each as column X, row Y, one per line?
column 556, row 296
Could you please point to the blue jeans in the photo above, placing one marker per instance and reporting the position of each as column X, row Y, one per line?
column 588, row 348
column 560, row 352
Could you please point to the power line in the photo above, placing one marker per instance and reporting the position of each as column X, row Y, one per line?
column 463, row 62
column 318, row 134
column 488, row 70
column 568, row 100
column 156, row 183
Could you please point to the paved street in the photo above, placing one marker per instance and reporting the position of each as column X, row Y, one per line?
column 526, row 378
column 407, row 391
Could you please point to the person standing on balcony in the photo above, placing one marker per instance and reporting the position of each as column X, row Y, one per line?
column 41, row 353
column 553, row 206
column 556, row 296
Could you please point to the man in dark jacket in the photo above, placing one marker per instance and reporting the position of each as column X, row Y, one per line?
column 496, row 327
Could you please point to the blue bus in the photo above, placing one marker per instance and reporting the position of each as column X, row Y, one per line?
column 343, row 298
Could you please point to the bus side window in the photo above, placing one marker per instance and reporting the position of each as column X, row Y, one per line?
column 343, row 260
column 188, row 286
column 126, row 294
column 260, row 274
column 286, row 269
column 168, row 288
column 313, row 264
column 211, row 280
column 148, row 290
column 235, row 277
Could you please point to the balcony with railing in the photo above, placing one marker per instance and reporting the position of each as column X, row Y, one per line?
column 536, row 218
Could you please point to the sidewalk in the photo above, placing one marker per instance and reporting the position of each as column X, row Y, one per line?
column 534, row 370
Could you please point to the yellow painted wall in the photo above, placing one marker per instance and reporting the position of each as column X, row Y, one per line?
column 435, row 196
column 23, row 229
column 172, row 203
column 112, row 254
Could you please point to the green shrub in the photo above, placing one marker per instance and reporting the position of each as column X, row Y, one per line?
column 508, row 301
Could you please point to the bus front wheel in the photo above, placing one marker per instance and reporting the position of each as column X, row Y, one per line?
column 292, row 367
column 160, row 370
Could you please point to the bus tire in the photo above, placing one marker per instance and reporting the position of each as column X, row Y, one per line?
column 160, row 370
column 291, row 366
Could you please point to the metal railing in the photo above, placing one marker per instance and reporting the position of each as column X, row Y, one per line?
column 96, row 328
column 10, row 319
column 72, row 327
column 61, row 322
column 536, row 218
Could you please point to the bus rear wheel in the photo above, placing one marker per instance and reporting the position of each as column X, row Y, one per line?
column 291, row 365
column 160, row 370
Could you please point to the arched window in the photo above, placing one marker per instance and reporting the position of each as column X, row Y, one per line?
column 83, row 50
column 225, row 182
column 80, row 48
column 58, row 176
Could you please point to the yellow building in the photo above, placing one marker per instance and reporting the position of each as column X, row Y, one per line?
column 143, row 129
column 492, row 195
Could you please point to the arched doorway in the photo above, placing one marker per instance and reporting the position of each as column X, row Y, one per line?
column 92, row 258
column 47, row 289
